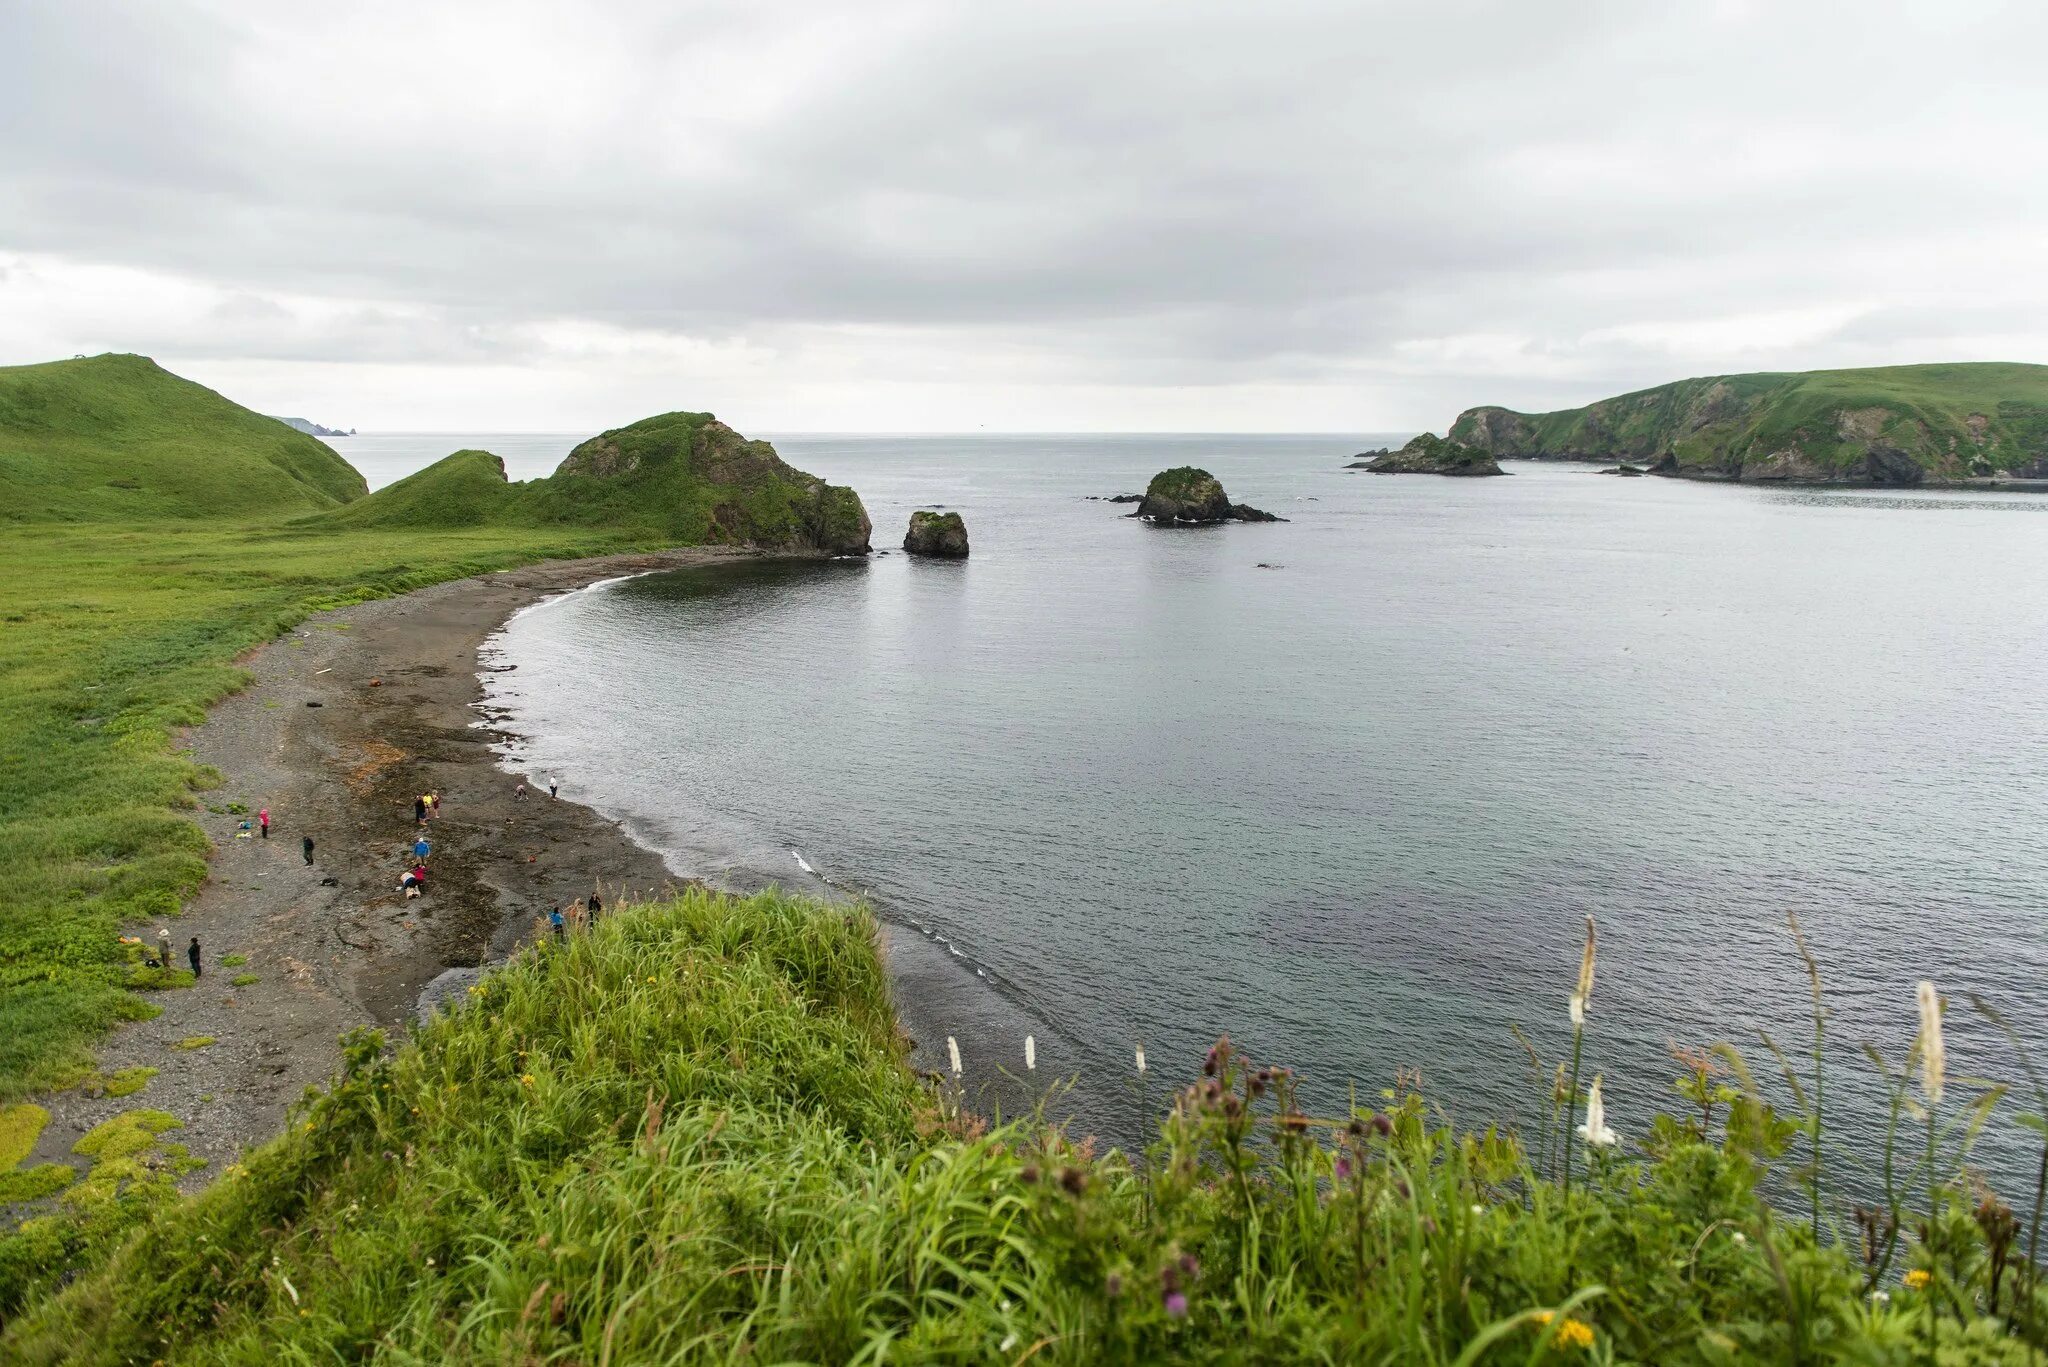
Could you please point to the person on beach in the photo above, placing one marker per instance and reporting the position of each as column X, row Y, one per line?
column 421, row 849
column 163, row 946
column 519, row 791
column 263, row 820
column 306, row 847
column 419, row 808
column 552, row 795
column 556, row 921
column 596, row 906
column 434, row 805
column 192, row 953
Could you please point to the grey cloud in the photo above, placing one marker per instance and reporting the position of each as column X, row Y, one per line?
column 1198, row 194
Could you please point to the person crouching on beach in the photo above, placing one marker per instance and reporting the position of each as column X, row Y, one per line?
column 263, row 820
column 519, row 792
column 421, row 849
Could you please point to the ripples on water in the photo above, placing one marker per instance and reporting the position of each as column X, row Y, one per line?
column 1352, row 810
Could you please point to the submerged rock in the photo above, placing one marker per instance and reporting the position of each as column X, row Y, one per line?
column 1190, row 497
column 1626, row 469
column 1429, row 454
column 939, row 534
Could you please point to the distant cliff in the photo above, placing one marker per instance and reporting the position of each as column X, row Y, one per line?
column 1889, row 425
column 314, row 429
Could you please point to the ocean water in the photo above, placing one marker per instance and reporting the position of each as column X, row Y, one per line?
column 385, row 457
column 1346, row 786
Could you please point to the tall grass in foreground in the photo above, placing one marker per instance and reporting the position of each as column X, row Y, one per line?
column 688, row 1136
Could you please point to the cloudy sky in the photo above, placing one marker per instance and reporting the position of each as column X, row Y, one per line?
column 907, row 216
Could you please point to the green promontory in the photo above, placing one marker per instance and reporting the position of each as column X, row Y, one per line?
column 685, row 478
column 1187, row 496
column 118, row 438
column 1888, row 425
column 1429, row 454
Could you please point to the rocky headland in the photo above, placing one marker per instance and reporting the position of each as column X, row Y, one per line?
column 1983, row 423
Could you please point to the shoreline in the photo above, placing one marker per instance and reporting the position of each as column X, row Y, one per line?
column 344, row 720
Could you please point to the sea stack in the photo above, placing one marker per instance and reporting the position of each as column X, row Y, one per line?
column 937, row 534
column 1429, row 454
column 1189, row 497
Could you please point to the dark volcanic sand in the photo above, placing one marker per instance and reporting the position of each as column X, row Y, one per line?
column 346, row 772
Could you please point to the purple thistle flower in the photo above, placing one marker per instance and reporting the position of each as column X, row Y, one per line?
column 1343, row 1167
column 1177, row 1305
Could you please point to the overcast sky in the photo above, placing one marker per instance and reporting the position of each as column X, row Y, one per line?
column 1041, row 216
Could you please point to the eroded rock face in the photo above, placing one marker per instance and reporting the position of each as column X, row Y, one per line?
column 937, row 534
column 1189, row 497
column 1429, row 454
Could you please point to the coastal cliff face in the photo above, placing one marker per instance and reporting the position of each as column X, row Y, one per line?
column 1937, row 424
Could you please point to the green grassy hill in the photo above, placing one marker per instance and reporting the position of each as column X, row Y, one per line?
column 682, row 478
column 117, row 438
column 688, row 1136
column 1887, row 425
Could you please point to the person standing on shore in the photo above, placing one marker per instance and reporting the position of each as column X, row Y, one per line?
column 306, row 847
column 552, row 794
column 419, row 808
column 192, row 953
column 263, row 821
column 421, row 849
column 434, row 806
column 596, row 906
column 555, row 921
column 163, row 946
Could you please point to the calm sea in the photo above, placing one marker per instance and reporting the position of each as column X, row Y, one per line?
column 1346, row 787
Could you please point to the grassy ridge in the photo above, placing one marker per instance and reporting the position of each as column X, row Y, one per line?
column 117, row 438
column 111, row 638
column 687, row 1137
column 1899, row 423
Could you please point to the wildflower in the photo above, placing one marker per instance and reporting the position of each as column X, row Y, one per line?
column 1918, row 1278
column 1595, row 1131
column 1543, row 1318
column 1343, row 1167
column 1585, row 990
column 1073, row 1180
column 953, row 1054
column 1141, row 1060
column 1007, row 1344
column 1113, row 1285
column 1030, row 1054
column 1574, row 1334
column 1478, row 1210
column 526, row 1079
column 1028, row 1173
column 1933, row 1056
column 1177, row 1305
column 1740, row 1238
column 1380, row 1126
column 1880, row 1298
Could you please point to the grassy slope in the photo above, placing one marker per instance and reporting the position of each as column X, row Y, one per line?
column 117, row 438
column 1929, row 410
column 682, row 477
column 111, row 637
column 687, row 1136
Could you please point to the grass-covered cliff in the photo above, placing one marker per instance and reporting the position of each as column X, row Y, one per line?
column 687, row 1136
column 680, row 478
column 118, row 438
column 1887, row 425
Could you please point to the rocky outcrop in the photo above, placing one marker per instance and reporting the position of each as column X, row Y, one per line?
column 1894, row 425
column 936, row 534
column 1190, row 497
column 1430, row 454
column 1364, row 459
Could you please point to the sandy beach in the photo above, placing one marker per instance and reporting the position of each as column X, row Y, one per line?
column 344, row 721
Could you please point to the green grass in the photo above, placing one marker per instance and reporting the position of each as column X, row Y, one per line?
column 111, row 637
column 244, row 979
column 1721, row 422
column 233, row 960
column 688, row 1136
column 117, row 438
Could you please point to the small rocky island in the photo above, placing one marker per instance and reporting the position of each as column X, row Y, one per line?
column 937, row 534
column 1432, row 455
column 1189, row 497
